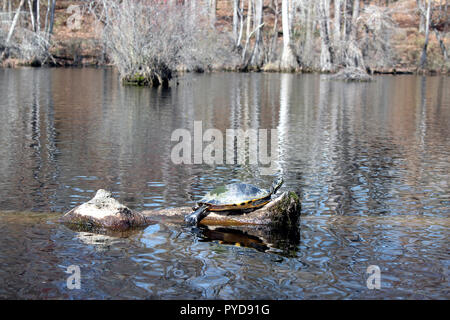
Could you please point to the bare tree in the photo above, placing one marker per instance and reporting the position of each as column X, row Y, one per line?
column 271, row 50
column 14, row 22
column 355, row 16
column 352, row 55
column 235, row 19
column 248, row 33
column 257, row 55
column 31, row 15
column 307, row 56
column 441, row 22
column 376, row 28
column 326, row 52
column 52, row 16
column 38, row 15
column 423, row 57
column 249, row 21
column 441, row 44
column 147, row 51
column 212, row 12
column 288, row 60
column 421, row 9
column 241, row 25
column 337, row 26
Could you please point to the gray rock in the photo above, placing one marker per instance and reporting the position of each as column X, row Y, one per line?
column 104, row 212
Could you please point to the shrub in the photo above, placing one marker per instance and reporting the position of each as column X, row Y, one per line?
column 148, row 40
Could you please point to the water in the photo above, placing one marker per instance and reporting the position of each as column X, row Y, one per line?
column 369, row 160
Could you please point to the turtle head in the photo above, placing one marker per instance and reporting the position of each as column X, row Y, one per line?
column 276, row 184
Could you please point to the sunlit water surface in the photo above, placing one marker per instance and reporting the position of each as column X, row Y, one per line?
column 369, row 160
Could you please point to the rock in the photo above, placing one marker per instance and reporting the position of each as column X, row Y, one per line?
column 103, row 211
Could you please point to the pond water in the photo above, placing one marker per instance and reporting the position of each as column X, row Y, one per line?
column 369, row 160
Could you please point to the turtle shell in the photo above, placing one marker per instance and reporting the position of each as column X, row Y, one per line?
column 236, row 196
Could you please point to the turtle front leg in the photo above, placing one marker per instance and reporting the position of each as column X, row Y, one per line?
column 198, row 215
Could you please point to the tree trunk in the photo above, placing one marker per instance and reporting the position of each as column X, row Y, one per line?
column 248, row 33
column 30, row 6
column 47, row 16
column 421, row 7
column 441, row 44
column 355, row 16
column 249, row 18
column 326, row 53
column 291, row 8
column 344, row 21
column 193, row 9
column 307, row 50
column 257, row 55
column 52, row 17
column 212, row 12
column 235, row 20
column 241, row 26
column 9, row 9
column 423, row 58
column 273, row 45
column 337, row 28
column 288, row 60
column 14, row 22
column 446, row 15
column 38, row 17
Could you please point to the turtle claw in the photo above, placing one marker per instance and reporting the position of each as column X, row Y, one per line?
column 191, row 219
column 195, row 217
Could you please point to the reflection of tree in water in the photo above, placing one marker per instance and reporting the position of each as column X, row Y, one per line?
column 30, row 145
column 343, row 146
column 360, row 163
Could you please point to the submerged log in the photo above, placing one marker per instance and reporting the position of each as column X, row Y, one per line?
column 105, row 212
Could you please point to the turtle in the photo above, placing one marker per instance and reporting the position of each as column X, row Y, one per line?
column 235, row 197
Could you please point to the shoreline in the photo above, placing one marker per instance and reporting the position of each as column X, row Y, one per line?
column 18, row 64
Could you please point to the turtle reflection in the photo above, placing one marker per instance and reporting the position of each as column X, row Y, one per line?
column 259, row 239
